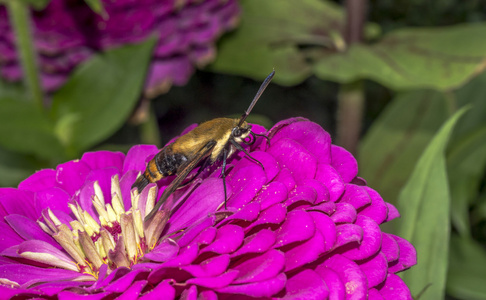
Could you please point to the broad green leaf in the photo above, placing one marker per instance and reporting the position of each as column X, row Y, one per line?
column 396, row 139
column 15, row 167
column 23, row 128
column 441, row 58
column 466, row 159
column 13, row 91
column 269, row 37
column 100, row 96
column 424, row 204
column 466, row 275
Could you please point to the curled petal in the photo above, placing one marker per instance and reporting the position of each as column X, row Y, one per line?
column 375, row 269
column 295, row 157
column 326, row 227
column 302, row 193
column 345, row 213
column 265, row 288
column 212, row 267
column 245, row 184
column 228, row 239
column 331, row 179
column 215, row 282
column 392, row 212
column 306, row 284
column 389, row 247
column 395, row 288
column 260, row 268
column 348, row 233
column 344, row 163
column 356, row 196
column 371, row 242
column 275, row 192
column 257, row 243
column 298, row 226
column 336, row 287
column 408, row 255
column 352, row 276
column 304, row 253
column 378, row 211
column 286, row 177
column 162, row 290
column 275, row 214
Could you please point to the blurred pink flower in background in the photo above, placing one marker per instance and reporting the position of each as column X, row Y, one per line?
column 67, row 32
column 303, row 227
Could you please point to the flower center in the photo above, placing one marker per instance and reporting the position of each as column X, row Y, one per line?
column 116, row 237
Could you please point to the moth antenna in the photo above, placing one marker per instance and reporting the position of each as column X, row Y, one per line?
column 257, row 96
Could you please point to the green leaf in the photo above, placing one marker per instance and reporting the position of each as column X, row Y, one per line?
column 15, row 167
column 37, row 4
column 441, row 58
column 25, row 129
column 467, row 274
column 466, row 160
column 424, row 204
column 96, row 6
column 395, row 141
column 269, row 37
column 100, row 96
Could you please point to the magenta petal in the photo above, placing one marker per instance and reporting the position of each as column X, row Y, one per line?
column 395, row 289
column 298, row 226
column 35, row 246
column 123, row 283
column 344, row 163
column 331, row 179
column 162, row 290
column 311, row 136
column 261, row 267
column 389, row 247
column 304, row 253
column 104, row 159
column 54, row 198
column 408, row 255
column 326, row 227
column 350, row 273
column 29, row 230
column 206, row 237
column 326, row 207
column 302, row 193
column 67, row 295
column 245, row 184
column 228, row 239
column 205, row 199
column 212, row 267
column 293, row 156
column 9, row 237
column 345, row 213
column 186, row 256
column 207, row 295
column 286, row 177
column 275, row 214
column 336, row 287
column 217, row 282
column 275, row 192
column 371, row 242
column 27, row 276
column 133, row 161
column 373, row 294
column 133, row 291
column 269, row 163
column 378, row 210
column 375, row 269
column 320, row 188
column 194, row 231
column 164, row 251
column 348, row 233
column 10, row 202
column 257, row 243
column 392, row 212
column 306, row 284
column 40, row 180
column 248, row 213
column 265, row 288
column 71, row 175
column 54, row 288
column 356, row 196
column 190, row 293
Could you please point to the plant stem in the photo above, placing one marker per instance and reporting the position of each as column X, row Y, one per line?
column 19, row 14
column 350, row 115
column 351, row 95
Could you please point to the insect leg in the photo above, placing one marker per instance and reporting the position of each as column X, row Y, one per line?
column 262, row 135
column 223, row 175
column 238, row 146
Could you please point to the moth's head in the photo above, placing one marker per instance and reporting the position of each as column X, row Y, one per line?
column 240, row 133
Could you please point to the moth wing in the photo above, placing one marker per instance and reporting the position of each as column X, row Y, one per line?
column 181, row 174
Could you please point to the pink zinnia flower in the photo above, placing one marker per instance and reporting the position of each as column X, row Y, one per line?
column 303, row 227
column 67, row 32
